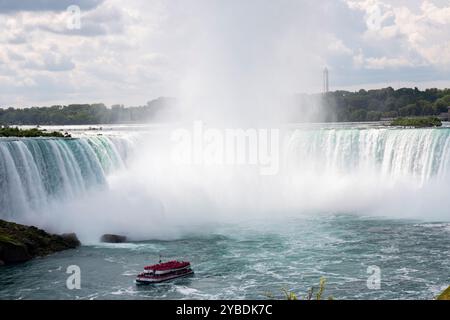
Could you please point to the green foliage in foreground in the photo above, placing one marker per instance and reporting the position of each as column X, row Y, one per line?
column 444, row 295
column 16, row 132
column 421, row 122
column 317, row 295
column 312, row 294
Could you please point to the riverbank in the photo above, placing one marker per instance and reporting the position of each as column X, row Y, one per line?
column 30, row 133
column 20, row 243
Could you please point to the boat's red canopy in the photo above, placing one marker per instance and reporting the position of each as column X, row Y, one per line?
column 167, row 265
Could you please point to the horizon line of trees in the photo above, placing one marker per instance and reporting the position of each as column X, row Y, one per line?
column 340, row 106
column 374, row 105
column 97, row 113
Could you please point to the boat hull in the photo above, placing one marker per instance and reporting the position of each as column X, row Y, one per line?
column 162, row 278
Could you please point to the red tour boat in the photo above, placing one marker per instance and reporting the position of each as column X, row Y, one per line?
column 164, row 271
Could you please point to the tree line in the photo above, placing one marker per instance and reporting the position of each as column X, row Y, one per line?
column 83, row 114
column 374, row 105
column 363, row 105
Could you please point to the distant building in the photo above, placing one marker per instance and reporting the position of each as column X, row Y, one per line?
column 326, row 87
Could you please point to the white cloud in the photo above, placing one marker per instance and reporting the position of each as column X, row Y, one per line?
column 7, row 6
column 380, row 63
column 133, row 51
column 337, row 46
column 421, row 29
column 385, row 62
column 108, row 59
column 376, row 12
column 358, row 59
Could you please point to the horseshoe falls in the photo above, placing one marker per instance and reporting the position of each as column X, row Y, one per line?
column 36, row 171
column 346, row 198
column 391, row 154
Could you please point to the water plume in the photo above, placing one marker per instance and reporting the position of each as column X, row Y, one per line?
column 384, row 172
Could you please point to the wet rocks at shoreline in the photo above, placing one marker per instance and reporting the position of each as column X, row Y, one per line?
column 113, row 238
column 21, row 243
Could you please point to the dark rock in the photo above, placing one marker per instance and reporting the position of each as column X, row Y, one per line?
column 113, row 238
column 13, row 253
column 20, row 243
column 71, row 239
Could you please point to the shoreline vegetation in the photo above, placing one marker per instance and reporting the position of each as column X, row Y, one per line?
column 312, row 294
column 20, row 243
column 445, row 295
column 85, row 114
column 378, row 105
column 338, row 106
column 419, row 122
column 30, row 133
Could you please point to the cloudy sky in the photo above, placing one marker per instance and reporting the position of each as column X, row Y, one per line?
column 112, row 51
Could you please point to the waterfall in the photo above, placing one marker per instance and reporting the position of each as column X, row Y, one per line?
column 391, row 154
column 321, row 169
column 35, row 171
